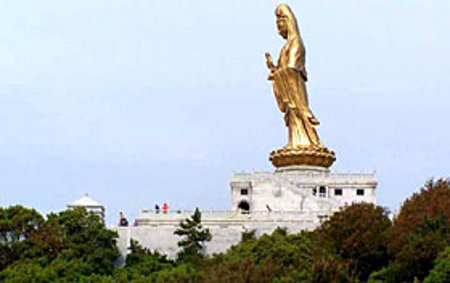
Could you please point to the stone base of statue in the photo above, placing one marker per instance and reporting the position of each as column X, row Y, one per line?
column 312, row 156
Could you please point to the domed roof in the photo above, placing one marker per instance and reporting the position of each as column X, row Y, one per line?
column 85, row 201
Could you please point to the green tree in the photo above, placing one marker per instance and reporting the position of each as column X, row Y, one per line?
column 420, row 231
column 86, row 238
column 279, row 257
column 194, row 238
column 432, row 202
column 441, row 270
column 65, row 247
column 248, row 235
column 183, row 273
column 17, row 224
column 357, row 235
column 262, row 259
column 142, row 262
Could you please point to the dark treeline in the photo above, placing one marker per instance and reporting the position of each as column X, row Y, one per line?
column 358, row 244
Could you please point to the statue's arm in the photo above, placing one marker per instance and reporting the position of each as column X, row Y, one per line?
column 296, row 58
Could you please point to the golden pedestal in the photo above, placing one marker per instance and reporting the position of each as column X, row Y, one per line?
column 312, row 156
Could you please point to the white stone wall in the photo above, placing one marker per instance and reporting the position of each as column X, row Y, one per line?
column 288, row 192
column 156, row 231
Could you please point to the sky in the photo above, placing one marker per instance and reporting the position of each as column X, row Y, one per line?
column 144, row 102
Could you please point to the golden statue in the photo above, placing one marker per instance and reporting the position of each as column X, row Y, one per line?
column 288, row 77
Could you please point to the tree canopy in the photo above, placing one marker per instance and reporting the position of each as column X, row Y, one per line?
column 357, row 235
column 68, row 245
column 359, row 243
column 420, row 232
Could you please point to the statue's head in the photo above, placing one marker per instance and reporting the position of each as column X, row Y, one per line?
column 286, row 22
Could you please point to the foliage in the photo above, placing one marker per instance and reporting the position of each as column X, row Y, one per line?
column 432, row 201
column 357, row 235
column 279, row 257
column 329, row 267
column 248, row 236
column 182, row 273
column 441, row 271
column 17, row 224
column 420, row 232
column 68, row 245
column 358, row 243
column 194, row 236
column 141, row 261
column 86, row 239
column 260, row 260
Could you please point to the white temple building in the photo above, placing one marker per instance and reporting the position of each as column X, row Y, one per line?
column 303, row 189
column 90, row 205
column 296, row 198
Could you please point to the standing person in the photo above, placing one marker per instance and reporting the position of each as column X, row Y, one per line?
column 122, row 220
column 165, row 208
column 156, row 208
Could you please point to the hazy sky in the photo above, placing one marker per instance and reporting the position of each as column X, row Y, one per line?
column 137, row 102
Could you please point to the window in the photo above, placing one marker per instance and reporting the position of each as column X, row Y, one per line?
column 244, row 207
column 322, row 192
column 338, row 192
column 359, row 192
column 314, row 192
column 244, row 192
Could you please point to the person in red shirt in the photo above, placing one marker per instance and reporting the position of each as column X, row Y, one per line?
column 165, row 208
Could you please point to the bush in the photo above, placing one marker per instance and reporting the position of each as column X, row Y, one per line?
column 278, row 257
column 357, row 235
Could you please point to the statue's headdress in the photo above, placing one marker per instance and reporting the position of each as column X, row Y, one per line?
column 285, row 11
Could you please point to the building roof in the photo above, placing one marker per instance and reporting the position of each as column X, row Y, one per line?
column 85, row 201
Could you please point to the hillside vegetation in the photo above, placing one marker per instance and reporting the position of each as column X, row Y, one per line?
column 359, row 243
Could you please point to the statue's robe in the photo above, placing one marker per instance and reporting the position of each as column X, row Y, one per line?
column 290, row 92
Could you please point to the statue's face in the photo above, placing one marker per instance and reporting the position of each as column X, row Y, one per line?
column 282, row 25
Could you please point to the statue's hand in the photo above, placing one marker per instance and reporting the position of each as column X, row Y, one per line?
column 269, row 62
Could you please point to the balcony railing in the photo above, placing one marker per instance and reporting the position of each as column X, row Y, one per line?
column 148, row 215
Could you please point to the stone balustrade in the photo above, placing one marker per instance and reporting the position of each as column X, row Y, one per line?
column 215, row 216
